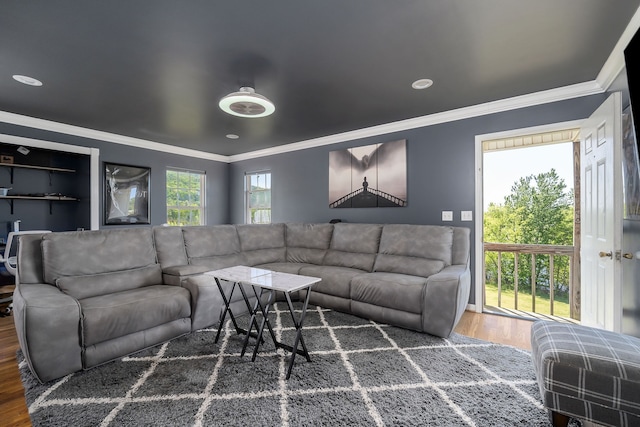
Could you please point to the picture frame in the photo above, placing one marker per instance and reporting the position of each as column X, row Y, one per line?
column 126, row 194
column 369, row 176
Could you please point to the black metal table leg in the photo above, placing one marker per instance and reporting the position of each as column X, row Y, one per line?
column 227, row 308
column 252, row 323
column 298, row 325
column 265, row 320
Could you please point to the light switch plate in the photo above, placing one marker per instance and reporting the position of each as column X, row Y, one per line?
column 447, row 215
column 466, row 216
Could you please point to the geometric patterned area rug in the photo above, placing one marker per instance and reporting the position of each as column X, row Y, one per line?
column 361, row 373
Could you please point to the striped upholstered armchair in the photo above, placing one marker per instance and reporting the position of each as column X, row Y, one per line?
column 587, row 373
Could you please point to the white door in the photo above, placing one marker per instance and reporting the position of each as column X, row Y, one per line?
column 601, row 216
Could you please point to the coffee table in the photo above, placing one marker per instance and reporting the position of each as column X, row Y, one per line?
column 265, row 281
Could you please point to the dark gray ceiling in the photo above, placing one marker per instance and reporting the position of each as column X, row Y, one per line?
column 156, row 70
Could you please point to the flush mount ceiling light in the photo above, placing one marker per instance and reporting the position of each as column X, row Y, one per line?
column 247, row 103
column 422, row 84
column 27, row 80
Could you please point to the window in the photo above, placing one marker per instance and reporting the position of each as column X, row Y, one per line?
column 185, row 201
column 258, row 198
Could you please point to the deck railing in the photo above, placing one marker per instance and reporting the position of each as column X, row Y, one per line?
column 551, row 251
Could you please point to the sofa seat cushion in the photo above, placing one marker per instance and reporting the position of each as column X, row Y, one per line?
column 585, row 372
column 398, row 291
column 335, row 280
column 110, row 316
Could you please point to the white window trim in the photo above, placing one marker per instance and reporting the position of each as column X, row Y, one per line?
column 247, row 193
column 203, row 198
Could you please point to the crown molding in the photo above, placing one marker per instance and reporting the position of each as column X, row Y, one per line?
column 52, row 126
column 615, row 62
column 538, row 98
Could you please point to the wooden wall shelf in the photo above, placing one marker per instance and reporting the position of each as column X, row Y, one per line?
column 50, row 199
column 44, row 168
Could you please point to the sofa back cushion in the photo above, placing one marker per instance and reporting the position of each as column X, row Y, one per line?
column 353, row 245
column 93, row 285
column 262, row 243
column 215, row 247
column 127, row 252
column 210, row 241
column 419, row 250
column 308, row 243
column 170, row 246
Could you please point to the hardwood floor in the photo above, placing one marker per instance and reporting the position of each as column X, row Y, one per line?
column 13, row 409
column 496, row 328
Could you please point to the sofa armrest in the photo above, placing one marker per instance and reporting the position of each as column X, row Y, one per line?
column 206, row 301
column 207, row 304
column 447, row 296
column 176, row 274
column 49, row 330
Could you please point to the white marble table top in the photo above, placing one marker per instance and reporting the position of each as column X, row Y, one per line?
column 263, row 278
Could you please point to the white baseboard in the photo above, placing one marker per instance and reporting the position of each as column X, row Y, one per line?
column 471, row 307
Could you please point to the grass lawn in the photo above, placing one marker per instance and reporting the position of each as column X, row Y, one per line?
column 560, row 304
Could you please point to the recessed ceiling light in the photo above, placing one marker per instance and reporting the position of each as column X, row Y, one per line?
column 27, row 80
column 232, row 136
column 422, row 84
column 247, row 103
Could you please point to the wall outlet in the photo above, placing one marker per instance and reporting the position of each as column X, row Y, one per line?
column 466, row 216
column 447, row 215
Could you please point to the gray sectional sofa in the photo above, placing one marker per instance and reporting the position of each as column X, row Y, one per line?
column 84, row 298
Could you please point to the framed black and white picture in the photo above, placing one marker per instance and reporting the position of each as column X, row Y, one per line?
column 369, row 176
column 126, row 194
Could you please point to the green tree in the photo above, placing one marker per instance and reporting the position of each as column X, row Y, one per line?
column 539, row 210
column 540, row 204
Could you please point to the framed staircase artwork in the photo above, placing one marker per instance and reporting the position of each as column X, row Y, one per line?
column 369, row 176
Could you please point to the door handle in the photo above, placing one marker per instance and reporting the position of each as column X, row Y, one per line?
column 603, row 254
column 627, row 256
